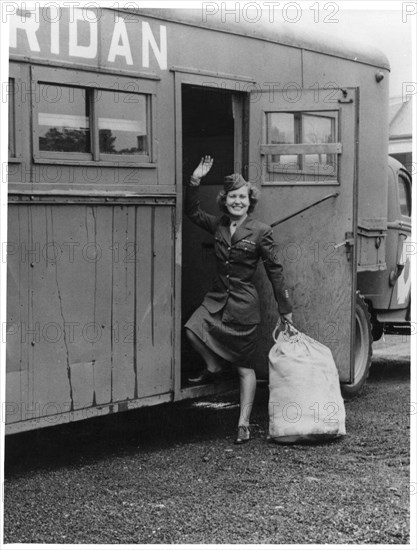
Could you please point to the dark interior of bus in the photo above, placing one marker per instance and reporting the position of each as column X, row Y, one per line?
column 208, row 128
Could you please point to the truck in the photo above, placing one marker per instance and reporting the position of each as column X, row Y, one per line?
column 110, row 109
column 383, row 296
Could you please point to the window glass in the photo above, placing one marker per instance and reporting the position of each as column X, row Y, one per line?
column 12, row 119
column 282, row 129
column 405, row 199
column 302, row 128
column 64, row 119
column 318, row 129
column 122, row 123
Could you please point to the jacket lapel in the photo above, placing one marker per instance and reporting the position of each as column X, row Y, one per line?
column 224, row 229
column 243, row 231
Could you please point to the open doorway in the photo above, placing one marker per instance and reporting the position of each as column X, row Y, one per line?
column 211, row 125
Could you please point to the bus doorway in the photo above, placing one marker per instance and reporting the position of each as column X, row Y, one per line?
column 211, row 125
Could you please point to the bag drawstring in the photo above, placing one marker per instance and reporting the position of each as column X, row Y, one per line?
column 287, row 324
column 296, row 333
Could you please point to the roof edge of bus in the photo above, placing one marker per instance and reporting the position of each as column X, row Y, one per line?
column 279, row 33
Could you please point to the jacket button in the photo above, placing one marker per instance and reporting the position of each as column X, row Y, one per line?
column 227, row 290
column 228, row 248
column 227, row 276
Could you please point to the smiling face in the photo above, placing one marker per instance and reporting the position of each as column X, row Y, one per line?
column 237, row 202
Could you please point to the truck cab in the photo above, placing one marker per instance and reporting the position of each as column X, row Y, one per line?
column 384, row 295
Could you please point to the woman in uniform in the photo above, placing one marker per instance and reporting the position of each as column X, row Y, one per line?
column 225, row 325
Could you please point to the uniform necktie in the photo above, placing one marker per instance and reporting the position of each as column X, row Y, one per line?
column 233, row 227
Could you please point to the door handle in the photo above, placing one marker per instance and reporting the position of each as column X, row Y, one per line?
column 349, row 241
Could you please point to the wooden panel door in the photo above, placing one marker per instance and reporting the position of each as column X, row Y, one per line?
column 302, row 150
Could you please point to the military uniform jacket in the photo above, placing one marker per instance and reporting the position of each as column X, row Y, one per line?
column 237, row 257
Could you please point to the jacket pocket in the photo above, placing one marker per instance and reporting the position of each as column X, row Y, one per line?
column 245, row 249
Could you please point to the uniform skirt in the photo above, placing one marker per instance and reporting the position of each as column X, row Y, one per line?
column 233, row 342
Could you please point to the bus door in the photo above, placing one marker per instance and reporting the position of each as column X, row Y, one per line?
column 209, row 121
column 302, row 156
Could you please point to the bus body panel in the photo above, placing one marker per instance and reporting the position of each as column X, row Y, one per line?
column 90, row 315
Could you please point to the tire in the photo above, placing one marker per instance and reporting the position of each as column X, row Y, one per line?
column 363, row 349
column 377, row 329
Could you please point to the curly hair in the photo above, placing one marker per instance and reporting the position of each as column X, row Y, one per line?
column 253, row 193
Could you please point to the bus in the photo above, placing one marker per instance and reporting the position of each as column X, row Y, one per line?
column 110, row 110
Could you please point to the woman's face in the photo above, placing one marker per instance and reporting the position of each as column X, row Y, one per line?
column 237, row 202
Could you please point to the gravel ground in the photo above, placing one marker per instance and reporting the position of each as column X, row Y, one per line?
column 173, row 475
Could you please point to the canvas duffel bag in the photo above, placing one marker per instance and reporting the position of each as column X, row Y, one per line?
column 305, row 402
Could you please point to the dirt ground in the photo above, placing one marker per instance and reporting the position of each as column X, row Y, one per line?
column 172, row 474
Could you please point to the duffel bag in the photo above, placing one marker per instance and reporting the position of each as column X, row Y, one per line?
column 305, row 402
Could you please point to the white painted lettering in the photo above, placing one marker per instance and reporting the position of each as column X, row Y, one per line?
column 404, row 280
column 148, row 39
column 87, row 52
column 80, row 38
column 29, row 23
column 120, row 48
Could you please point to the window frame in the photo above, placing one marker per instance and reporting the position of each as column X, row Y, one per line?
column 109, row 157
column 15, row 75
column 407, row 190
column 301, row 148
column 94, row 82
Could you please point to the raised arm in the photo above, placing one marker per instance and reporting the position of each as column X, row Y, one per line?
column 192, row 202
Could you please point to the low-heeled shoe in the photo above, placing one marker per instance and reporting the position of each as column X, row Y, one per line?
column 205, row 377
column 243, row 435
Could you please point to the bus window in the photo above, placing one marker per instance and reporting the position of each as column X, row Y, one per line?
column 282, row 128
column 122, row 123
column 86, row 123
column 302, row 128
column 64, row 119
column 317, row 128
column 405, row 196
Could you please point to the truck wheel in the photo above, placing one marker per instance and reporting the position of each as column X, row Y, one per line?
column 377, row 329
column 362, row 350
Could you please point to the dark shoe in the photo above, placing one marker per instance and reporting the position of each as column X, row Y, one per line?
column 243, row 435
column 205, row 377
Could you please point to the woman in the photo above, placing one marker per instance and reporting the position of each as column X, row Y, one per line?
column 225, row 325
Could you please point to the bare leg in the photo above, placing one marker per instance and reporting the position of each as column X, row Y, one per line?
column 211, row 359
column 247, row 378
